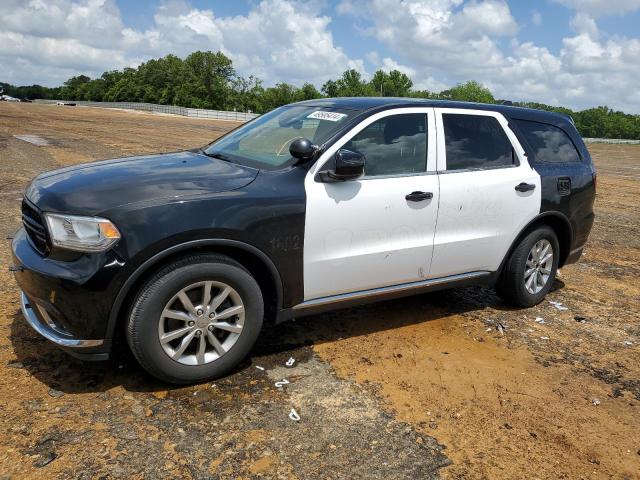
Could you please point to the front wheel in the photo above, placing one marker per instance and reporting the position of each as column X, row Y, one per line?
column 195, row 319
column 531, row 268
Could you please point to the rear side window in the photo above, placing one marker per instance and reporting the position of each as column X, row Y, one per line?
column 550, row 144
column 394, row 145
column 476, row 141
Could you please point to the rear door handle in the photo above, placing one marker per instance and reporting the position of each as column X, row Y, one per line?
column 418, row 196
column 525, row 187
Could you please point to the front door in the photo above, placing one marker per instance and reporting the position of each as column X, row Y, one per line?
column 371, row 232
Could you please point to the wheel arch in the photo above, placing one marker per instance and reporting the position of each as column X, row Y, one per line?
column 560, row 225
column 252, row 258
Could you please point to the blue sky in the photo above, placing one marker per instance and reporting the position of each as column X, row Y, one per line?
column 579, row 53
column 555, row 21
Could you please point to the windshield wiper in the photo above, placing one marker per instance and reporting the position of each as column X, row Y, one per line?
column 218, row 155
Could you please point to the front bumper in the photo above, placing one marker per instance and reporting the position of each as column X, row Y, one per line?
column 68, row 302
column 42, row 323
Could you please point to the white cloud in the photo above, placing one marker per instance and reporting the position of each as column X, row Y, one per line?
column 438, row 43
column 602, row 7
column 536, row 18
column 453, row 42
column 278, row 40
column 584, row 23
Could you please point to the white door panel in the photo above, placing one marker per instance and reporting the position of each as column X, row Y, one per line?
column 480, row 212
column 480, row 215
column 364, row 234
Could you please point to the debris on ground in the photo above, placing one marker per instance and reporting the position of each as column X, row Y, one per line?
column 260, row 368
column 595, row 401
column 282, row 383
column 540, row 320
column 558, row 305
column 501, row 328
column 289, row 363
column 293, row 415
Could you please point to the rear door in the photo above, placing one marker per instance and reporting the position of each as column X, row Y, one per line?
column 366, row 233
column 488, row 191
column 567, row 176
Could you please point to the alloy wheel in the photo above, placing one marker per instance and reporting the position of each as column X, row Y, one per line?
column 538, row 266
column 201, row 323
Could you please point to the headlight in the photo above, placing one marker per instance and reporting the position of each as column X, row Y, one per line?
column 83, row 234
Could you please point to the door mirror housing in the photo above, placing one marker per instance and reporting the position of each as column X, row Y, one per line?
column 348, row 165
column 302, row 149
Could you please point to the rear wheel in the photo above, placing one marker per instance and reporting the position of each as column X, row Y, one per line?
column 531, row 268
column 196, row 319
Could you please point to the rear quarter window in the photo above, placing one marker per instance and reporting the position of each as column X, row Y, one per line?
column 550, row 144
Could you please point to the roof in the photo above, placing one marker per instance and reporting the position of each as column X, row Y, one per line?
column 383, row 103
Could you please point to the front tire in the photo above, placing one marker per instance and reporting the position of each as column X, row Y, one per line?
column 531, row 268
column 196, row 319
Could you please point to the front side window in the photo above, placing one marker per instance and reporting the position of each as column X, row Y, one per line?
column 550, row 144
column 393, row 145
column 264, row 142
column 476, row 141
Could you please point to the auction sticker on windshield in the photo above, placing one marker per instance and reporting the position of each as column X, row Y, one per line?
column 331, row 116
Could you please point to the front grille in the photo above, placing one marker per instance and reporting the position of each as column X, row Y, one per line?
column 35, row 228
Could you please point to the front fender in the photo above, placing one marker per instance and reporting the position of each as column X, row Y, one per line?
column 159, row 257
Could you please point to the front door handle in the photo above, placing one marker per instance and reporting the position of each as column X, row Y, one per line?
column 419, row 196
column 525, row 187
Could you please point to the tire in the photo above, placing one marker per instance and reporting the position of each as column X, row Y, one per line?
column 512, row 285
column 159, row 309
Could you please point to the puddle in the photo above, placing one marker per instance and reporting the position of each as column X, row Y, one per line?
column 33, row 139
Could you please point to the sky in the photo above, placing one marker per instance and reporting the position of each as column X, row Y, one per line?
column 575, row 53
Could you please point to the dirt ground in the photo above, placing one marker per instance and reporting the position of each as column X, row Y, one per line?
column 451, row 384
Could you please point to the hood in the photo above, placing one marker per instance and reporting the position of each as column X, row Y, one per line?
column 91, row 188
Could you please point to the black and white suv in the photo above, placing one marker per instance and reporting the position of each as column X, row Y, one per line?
column 316, row 205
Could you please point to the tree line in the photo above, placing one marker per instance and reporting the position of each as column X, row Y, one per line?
column 209, row 80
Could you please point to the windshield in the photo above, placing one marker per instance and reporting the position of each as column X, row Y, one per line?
column 264, row 142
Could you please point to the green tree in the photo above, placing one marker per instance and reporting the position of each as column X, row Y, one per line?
column 351, row 84
column 210, row 77
column 330, row 88
column 247, row 94
column 308, row 92
column 73, row 88
column 470, row 91
column 280, row 94
column 392, row 84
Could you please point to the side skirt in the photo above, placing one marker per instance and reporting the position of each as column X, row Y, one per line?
column 345, row 300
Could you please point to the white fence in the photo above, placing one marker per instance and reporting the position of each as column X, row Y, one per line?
column 152, row 107
column 619, row 141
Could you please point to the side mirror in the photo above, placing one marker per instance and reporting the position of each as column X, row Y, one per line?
column 302, row 149
column 349, row 165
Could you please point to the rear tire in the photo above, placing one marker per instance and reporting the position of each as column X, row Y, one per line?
column 196, row 319
column 529, row 273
